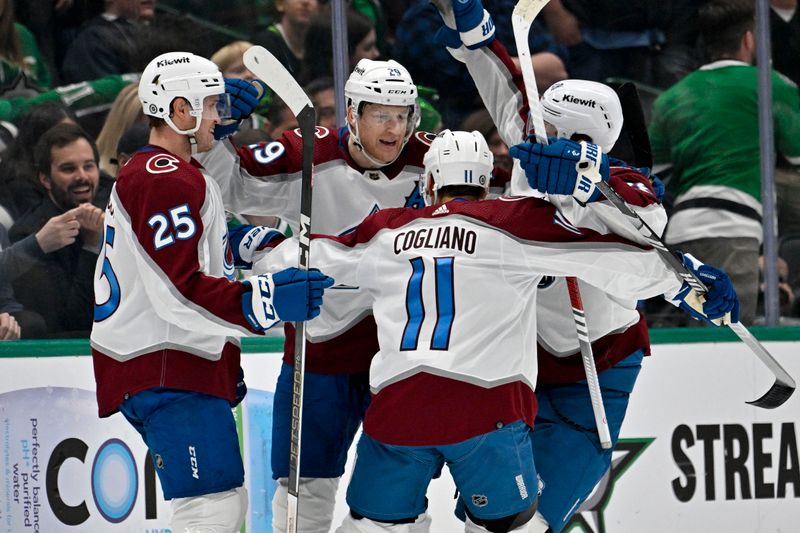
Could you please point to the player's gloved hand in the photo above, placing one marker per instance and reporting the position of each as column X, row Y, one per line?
column 244, row 98
column 298, row 293
column 241, row 389
column 288, row 295
column 474, row 24
column 719, row 306
column 247, row 240
column 563, row 167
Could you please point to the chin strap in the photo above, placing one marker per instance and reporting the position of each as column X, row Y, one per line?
column 192, row 143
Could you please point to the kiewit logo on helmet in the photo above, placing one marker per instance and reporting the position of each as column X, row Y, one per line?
column 165, row 62
column 572, row 99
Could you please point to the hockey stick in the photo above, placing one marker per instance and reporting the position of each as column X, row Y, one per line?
column 264, row 65
column 784, row 384
column 521, row 19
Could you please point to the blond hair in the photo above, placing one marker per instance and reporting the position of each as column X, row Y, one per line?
column 229, row 54
column 125, row 111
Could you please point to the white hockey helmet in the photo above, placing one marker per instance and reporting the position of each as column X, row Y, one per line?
column 457, row 158
column 381, row 82
column 585, row 108
column 179, row 75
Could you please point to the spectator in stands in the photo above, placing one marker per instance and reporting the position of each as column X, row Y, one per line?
column 108, row 43
column 323, row 96
column 55, row 24
column 59, row 285
column 125, row 112
column 9, row 327
column 230, row 61
column 784, row 20
column 134, row 138
column 650, row 41
column 23, row 70
column 18, row 179
column 705, row 127
column 279, row 118
column 375, row 11
column 286, row 38
column 16, row 260
column 426, row 60
column 361, row 43
column 481, row 121
column 786, row 296
column 787, row 196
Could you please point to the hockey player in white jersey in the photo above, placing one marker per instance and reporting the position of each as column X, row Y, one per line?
column 453, row 289
column 569, row 457
column 373, row 163
column 168, row 311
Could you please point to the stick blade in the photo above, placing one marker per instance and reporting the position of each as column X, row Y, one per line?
column 269, row 70
column 775, row 396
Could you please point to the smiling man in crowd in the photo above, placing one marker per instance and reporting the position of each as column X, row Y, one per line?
column 58, row 284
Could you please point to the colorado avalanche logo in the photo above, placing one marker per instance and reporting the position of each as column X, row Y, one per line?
column 415, row 198
column 425, row 138
column 161, row 163
column 227, row 263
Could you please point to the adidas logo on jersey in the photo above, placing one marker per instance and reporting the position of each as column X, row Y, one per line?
column 442, row 210
column 580, row 101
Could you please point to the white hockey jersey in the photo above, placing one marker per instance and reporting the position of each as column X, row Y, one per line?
column 615, row 327
column 167, row 311
column 453, row 290
column 264, row 179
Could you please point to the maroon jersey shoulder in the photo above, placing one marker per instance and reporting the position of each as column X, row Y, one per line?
column 159, row 179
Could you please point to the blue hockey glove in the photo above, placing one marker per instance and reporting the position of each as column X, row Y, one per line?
column 720, row 305
column 474, row 24
column 298, row 293
column 247, row 240
column 563, row 167
column 244, row 97
column 288, row 295
column 241, row 389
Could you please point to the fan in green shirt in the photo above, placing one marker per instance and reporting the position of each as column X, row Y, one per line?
column 706, row 128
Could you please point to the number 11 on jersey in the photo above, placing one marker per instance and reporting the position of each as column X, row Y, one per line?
column 415, row 304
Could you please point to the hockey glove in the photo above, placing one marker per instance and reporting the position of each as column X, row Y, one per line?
column 247, row 240
column 474, row 24
column 241, row 389
column 563, row 167
column 288, row 295
column 719, row 306
column 244, row 97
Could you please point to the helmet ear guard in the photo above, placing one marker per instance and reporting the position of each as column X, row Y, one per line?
column 179, row 75
column 581, row 107
column 457, row 158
